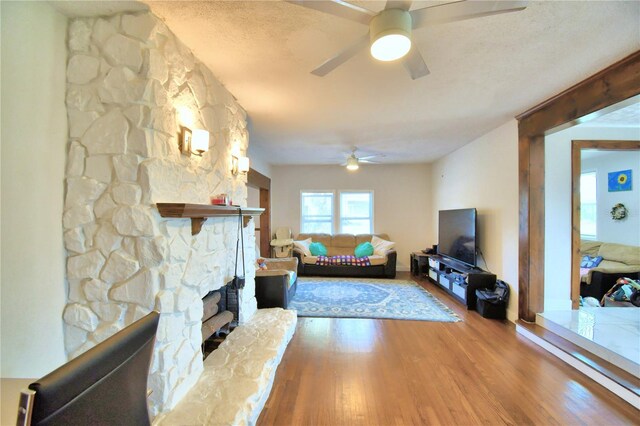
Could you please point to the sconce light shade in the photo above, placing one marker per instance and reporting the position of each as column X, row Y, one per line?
column 239, row 165
column 200, row 141
column 243, row 165
column 194, row 141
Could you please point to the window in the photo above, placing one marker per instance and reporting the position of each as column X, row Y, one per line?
column 588, row 205
column 356, row 212
column 316, row 212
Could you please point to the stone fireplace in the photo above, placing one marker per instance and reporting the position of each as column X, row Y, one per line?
column 130, row 85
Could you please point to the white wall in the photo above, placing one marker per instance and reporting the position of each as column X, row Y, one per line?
column 401, row 199
column 34, row 135
column 557, row 279
column 626, row 231
column 257, row 159
column 484, row 175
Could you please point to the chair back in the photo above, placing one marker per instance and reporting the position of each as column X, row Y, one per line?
column 283, row 233
column 107, row 385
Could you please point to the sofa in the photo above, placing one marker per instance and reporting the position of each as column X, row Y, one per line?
column 276, row 285
column 382, row 266
column 618, row 260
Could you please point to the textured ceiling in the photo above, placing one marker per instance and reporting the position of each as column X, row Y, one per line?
column 483, row 72
column 628, row 116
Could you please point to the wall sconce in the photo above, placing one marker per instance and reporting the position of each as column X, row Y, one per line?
column 193, row 142
column 239, row 165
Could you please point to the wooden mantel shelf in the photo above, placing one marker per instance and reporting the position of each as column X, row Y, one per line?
column 198, row 213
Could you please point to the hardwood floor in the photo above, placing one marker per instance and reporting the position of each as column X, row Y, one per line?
column 391, row 372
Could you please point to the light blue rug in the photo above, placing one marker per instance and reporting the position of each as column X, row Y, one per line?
column 368, row 298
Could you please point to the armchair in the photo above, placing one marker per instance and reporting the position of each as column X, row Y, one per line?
column 276, row 285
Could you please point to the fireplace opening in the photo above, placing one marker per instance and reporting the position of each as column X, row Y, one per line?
column 221, row 310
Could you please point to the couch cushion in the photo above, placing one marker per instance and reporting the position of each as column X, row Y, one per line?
column 339, row 251
column 590, row 262
column 377, row 259
column 321, row 238
column 317, row 249
column 363, row 238
column 381, row 246
column 589, row 248
column 344, row 240
column 303, row 246
column 629, row 255
column 374, row 259
column 309, row 260
column 363, row 249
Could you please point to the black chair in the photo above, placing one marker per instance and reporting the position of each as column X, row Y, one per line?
column 107, row 385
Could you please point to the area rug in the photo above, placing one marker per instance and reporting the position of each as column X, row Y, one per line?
column 368, row 298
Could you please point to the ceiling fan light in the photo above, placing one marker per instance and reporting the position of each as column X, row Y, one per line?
column 390, row 32
column 352, row 163
column 390, row 47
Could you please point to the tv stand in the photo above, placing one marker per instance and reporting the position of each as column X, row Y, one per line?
column 459, row 280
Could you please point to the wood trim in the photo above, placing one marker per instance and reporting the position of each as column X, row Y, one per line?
column 576, row 169
column 263, row 183
column 623, row 74
column 198, row 213
column 607, row 145
column 614, row 84
column 258, row 180
column 265, row 222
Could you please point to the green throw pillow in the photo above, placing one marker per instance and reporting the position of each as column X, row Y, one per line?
column 363, row 249
column 317, row 249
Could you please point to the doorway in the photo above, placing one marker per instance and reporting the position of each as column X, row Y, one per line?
column 259, row 187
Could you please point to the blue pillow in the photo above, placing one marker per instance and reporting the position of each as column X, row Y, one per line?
column 317, row 249
column 363, row 249
column 590, row 262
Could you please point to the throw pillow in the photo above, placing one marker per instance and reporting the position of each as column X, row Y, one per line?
column 317, row 249
column 303, row 246
column 363, row 249
column 590, row 262
column 380, row 246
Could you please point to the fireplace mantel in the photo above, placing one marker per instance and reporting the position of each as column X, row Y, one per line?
column 198, row 213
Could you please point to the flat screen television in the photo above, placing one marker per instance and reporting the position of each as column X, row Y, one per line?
column 457, row 235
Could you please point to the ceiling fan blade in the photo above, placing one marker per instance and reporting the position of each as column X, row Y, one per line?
column 414, row 64
column 461, row 10
column 398, row 4
column 367, row 157
column 341, row 57
column 338, row 8
column 367, row 161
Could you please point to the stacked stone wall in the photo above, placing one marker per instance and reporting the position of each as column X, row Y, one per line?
column 131, row 84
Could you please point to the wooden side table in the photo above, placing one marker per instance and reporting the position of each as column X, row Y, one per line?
column 419, row 263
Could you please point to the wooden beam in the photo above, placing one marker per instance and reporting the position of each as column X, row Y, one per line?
column 614, row 84
column 258, row 180
column 265, row 222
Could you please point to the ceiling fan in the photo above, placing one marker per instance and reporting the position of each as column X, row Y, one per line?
column 353, row 161
column 389, row 35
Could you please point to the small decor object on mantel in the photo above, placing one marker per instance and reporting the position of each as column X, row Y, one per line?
column 220, row 200
column 620, row 181
column 619, row 212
